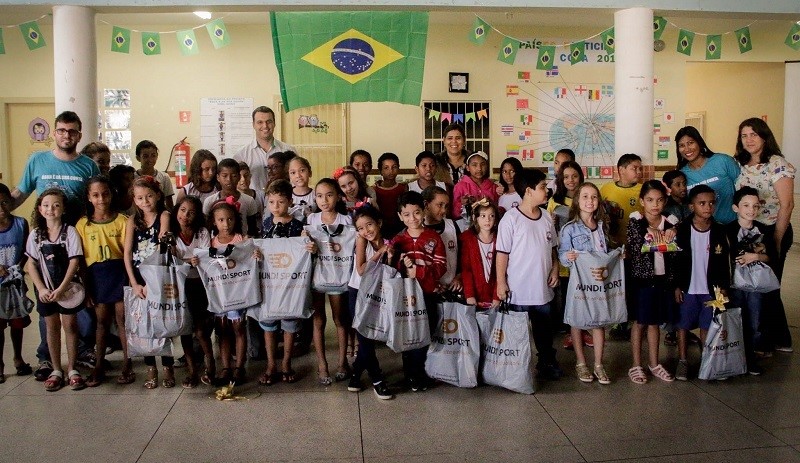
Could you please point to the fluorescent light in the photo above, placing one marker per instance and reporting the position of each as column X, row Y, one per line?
column 203, row 14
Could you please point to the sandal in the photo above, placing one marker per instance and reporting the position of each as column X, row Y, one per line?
column 152, row 378
column 95, row 379
column 267, row 379
column 600, row 374
column 289, row 376
column 239, row 376
column 343, row 374
column 76, row 381
column 169, row 378
column 636, row 374
column 54, row 382
column 225, row 377
column 661, row 373
column 206, row 377
column 325, row 381
column 126, row 377
column 190, row 382
column 24, row 369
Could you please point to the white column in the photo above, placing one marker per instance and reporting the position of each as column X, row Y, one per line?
column 75, row 65
column 633, row 83
column 790, row 144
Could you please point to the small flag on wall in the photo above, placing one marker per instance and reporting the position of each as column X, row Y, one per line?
column 793, row 38
column 608, row 90
column 577, row 52
column 743, row 39
column 512, row 90
column 32, row 35
column 685, row 40
column 548, row 156
column 188, row 42
column 594, row 95
column 512, row 150
column 659, row 24
column 551, row 72
column 560, row 92
column 508, row 50
column 713, row 46
column 480, row 29
column 608, row 40
column 151, row 43
column 526, row 119
column 2, row 44
column 524, row 76
column 522, row 103
column 120, row 40
column 218, row 33
column 545, row 60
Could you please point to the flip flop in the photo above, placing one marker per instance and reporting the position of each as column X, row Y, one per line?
column 289, row 376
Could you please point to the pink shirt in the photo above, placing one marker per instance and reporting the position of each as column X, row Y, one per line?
column 467, row 187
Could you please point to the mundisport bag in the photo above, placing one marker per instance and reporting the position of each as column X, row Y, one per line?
column 166, row 311
column 136, row 320
column 335, row 256
column 409, row 326
column 723, row 352
column 230, row 276
column 596, row 291
column 285, row 279
column 506, row 349
column 373, row 311
column 454, row 353
column 755, row 277
column 14, row 302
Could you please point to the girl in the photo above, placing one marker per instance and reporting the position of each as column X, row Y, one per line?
column 361, row 161
column 354, row 189
column 55, row 247
column 122, row 181
column 147, row 155
column 370, row 245
column 244, row 187
column 586, row 231
column 509, row 197
column 202, row 176
column 475, row 185
column 189, row 222
column 143, row 232
column 332, row 213
column 303, row 202
column 100, row 154
column 102, row 234
column 477, row 253
column 651, row 280
column 436, row 202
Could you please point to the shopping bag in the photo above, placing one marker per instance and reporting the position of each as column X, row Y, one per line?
column 409, row 326
column 14, row 301
column 755, row 277
column 723, row 352
column 335, row 256
column 230, row 276
column 596, row 291
column 373, row 311
column 166, row 309
column 454, row 353
column 506, row 349
column 137, row 320
column 285, row 279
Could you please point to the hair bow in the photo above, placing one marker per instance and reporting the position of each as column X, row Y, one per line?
column 338, row 173
column 362, row 203
column 483, row 202
column 232, row 201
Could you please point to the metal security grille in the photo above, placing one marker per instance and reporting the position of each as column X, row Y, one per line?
column 473, row 115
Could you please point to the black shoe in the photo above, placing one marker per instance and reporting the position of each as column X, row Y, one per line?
column 87, row 359
column 382, row 391
column 354, row 385
column 43, row 370
column 755, row 369
column 180, row 362
column 418, row 384
column 549, row 371
column 671, row 339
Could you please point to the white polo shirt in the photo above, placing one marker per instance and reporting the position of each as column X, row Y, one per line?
column 256, row 158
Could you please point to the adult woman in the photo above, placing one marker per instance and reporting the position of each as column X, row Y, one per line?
column 703, row 166
column 451, row 163
column 765, row 169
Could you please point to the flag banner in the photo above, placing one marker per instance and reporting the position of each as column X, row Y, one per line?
column 2, row 44
column 546, row 57
column 480, row 29
column 120, row 40
column 151, row 43
column 608, row 40
column 470, row 116
column 577, row 52
column 447, row 117
column 685, row 40
column 793, row 38
column 32, row 35
column 433, row 114
column 339, row 57
column 188, row 42
column 659, row 24
column 458, row 118
column 218, row 33
column 483, row 113
column 713, row 47
column 508, row 50
column 743, row 39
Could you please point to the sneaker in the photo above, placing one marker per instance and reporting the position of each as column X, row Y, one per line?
column 43, row 370
column 109, row 350
column 568, row 342
column 87, row 359
column 382, row 391
column 417, row 384
column 620, row 332
column 588, row 341
column 671, row 339
column 600, row 374
column 764, row 354
column 583, row 373
column 549, row 371
column 180, row 362
column 354, row 385
column 755, row 369
column 786, row 349
column 682, row 371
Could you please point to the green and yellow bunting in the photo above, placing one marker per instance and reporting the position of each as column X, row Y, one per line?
column 151, row 43
column 2, row 44
column 685, row 40
column 659, row 24
column 545, row 60
column 218, row 33
column 32, row 35
column 480, row 29
column 188, row 42
column 713, row 47
column 793, row 38
column 508, row 50
column 608, row 40
column 120, row 40
column 743, row 40
column 577, row 52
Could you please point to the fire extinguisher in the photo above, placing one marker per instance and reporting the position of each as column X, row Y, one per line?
column 181, row 152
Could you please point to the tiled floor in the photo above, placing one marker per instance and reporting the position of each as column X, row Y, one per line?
column 747, row 419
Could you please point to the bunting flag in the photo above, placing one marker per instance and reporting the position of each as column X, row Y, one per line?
column 546, row 57
column 713, row 47
column 32, row 35
column 188, row 42
column 470, row 117
column 793, row 38
column 218, row 33
column 446, row 117
column 508, row 50
column 433, row 114
column 659, row 24
column 743, row 39
column 608, row 40
column 685, row 40
column 2, row 44
column 480, row 29
column 120, row 40
column 151, row 43
column 577, row 52
column 458, row 118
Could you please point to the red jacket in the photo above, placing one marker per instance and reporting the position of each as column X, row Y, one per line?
column 475, row 284
column 427, row 251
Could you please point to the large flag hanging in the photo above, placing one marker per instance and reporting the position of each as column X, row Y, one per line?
column 577, row 52
column 508, row 50
column 608, row 40
column 659, row 24
column 32, row 34
column 2, row 44
column 338, row 57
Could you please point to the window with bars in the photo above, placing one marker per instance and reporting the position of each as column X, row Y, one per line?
column 473, row 115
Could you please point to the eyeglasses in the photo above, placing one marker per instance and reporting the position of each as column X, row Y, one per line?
column 71, row 132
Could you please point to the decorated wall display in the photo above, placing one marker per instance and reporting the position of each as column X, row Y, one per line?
column 114, row 119
column 225, row 124
column 39, row 131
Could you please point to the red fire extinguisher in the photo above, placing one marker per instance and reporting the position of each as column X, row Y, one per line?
column 182, row 153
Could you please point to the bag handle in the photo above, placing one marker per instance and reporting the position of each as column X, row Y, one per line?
column 215, row 253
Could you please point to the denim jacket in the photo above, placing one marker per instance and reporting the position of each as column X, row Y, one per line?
column 576, row 236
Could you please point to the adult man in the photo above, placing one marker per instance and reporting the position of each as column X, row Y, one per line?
column 64, row 168
column 257, row 153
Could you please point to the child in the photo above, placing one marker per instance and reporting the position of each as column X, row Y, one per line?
column 13, row 233
column 370, row 245
column 622, row 197
column 585, row 232
column 303, row 202
column 143, row 233
column 563, row 155
column 436, row 204
column 122, row 177
column 420, row 254
column 749, row 243
column 280, row 224
column 100, row 154
column 189, row 224
column 244, row 187
column 55, row 247
column 147, row 155
column 702, row 264
column 676, row 201
column 276, row 165
column 426, row 173
column 228, row 179
column 477, row 256
column 332, row 213
column 475, row 185
column 354, row 189
column 526, row 264
column 202, row 176
column 102, row 233
column 361, row 161
column 387, row 191
column 651, row 279
column 509, row 198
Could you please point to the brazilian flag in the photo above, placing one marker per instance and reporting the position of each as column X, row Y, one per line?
column 339, row 57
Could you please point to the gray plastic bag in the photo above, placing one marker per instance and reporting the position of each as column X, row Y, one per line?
column 755, row 277
column 335, row 257
column 14, row 301
column 373, row 311
column 723, row 352
column 165, row 307
column 137, row 321
column 454, row 353
column 410, row 328
column 596, row 290
column 506, row 349
column 230, row 276
column 285, row 279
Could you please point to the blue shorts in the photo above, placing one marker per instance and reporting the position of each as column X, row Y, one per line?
column 291, row 325
column 694, row 312
column 106, row 280
column 654, row 302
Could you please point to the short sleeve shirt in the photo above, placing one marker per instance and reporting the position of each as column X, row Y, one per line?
column 762, row 177
column 163, row 179
column 102, row 241
column 248, row 207
column 720, row 173
column 44, row 170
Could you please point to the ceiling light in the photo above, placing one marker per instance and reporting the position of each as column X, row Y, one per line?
column 203, row 14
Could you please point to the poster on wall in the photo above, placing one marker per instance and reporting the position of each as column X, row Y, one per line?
column 594, row 52
column 114, row 123
column 226, row 124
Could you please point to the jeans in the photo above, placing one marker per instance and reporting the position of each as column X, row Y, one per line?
column 750, row 303
column 542, row 324
column 775, row 319
column 365, row 356
column 87, row 327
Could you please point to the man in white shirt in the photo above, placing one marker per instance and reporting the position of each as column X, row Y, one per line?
column 257, row 152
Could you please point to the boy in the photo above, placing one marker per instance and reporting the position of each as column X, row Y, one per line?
column 228, row 178
column 100, row 154
column 526, row 264
column 749, row 243
column 361, row 161
column 426, row 173
column 563, row 155
column 702, row 264
column 622, row 197
column 387, row 191
column 675, row 180
column 147, row 155
column 419, row 254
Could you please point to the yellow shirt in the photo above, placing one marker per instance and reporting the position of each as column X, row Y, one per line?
column 102, row 241
column 622, row 202
column 560, row 214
